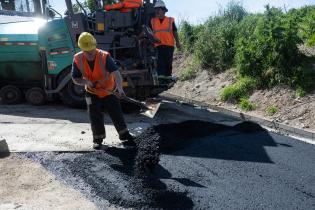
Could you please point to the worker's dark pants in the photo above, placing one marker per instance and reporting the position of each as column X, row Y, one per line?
column 111, row 104
column 165, row 60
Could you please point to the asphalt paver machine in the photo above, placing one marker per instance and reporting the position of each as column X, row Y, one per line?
column 38, row 64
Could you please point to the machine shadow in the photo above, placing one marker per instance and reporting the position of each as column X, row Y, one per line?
column 242, row 142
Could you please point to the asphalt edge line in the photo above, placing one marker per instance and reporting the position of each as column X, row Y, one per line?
column 307, row 136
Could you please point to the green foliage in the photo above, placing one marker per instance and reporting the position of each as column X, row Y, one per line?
column 246, row 105
column 234, row 11
column 241, row 89
column 305, row 19
column 304, row 77
column 262, row 46
column 88, row 5
column 271, row 110
column 271, row 52
column 300, row 92
column 215, row 47
column 188, row 34
column 189, row 72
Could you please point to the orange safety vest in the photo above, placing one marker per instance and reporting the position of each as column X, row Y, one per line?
column 100, row 76
column 163, row 31
column 126, row 4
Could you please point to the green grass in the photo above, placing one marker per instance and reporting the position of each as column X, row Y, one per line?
column 300, row 92
column 246, row 105
column 241, row 89
column 271, row 110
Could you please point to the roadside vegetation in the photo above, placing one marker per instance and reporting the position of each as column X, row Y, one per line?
column 262, row 47
column 271, row 110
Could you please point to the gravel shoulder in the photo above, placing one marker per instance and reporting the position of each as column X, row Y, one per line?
column 28, row 185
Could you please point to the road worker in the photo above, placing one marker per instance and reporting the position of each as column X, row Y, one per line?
column 96, row 70
column 165, row 30
column 124, row 5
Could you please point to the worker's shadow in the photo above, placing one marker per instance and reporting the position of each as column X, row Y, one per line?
column 4, row 149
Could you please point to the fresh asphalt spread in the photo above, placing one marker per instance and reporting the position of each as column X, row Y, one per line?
column 193, row 165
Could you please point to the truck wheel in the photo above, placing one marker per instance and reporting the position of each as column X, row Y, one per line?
column 11, row 95
column 72, row 95
column 36, row 96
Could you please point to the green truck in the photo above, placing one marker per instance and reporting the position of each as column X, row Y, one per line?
column 36, row 54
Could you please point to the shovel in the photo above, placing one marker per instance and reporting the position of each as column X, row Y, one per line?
column 147, row 108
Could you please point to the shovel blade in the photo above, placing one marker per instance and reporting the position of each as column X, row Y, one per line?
column 152, row 106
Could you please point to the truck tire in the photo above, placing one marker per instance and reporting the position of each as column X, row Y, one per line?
column 11, row 94
column 35, row 96
column 72, row 95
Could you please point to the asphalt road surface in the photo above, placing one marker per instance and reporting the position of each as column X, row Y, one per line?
column 217, row 164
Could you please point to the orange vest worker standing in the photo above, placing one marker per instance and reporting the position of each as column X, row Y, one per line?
column 165, row 30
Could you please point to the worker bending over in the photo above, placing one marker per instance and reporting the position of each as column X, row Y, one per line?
column 96, row 70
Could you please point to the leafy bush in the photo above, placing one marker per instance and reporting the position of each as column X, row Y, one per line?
column 306, row 23
column 304, row 77
column 270, row 53
column 246, row 105
column 271, row 110
column 188, row 35
column 262, row 46
column 234, row 11
column 215, row 47
column 241, row 89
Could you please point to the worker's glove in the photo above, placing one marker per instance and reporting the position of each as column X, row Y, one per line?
column 90, row 84
column 120, row 93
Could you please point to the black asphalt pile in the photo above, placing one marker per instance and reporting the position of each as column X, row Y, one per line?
column 167, row 138
column 107, row 177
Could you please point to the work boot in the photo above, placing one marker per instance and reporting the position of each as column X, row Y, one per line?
column 97, row 144
column 127, row 139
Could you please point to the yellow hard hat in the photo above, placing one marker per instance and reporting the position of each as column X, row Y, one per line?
column 86, row 41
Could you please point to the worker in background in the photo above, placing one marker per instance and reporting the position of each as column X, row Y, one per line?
column 124, row 5
column 165, row 30
column 96, row 70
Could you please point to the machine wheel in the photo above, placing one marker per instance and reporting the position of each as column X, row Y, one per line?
column 11, row 95
column 72, row 95
column 36, row 96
